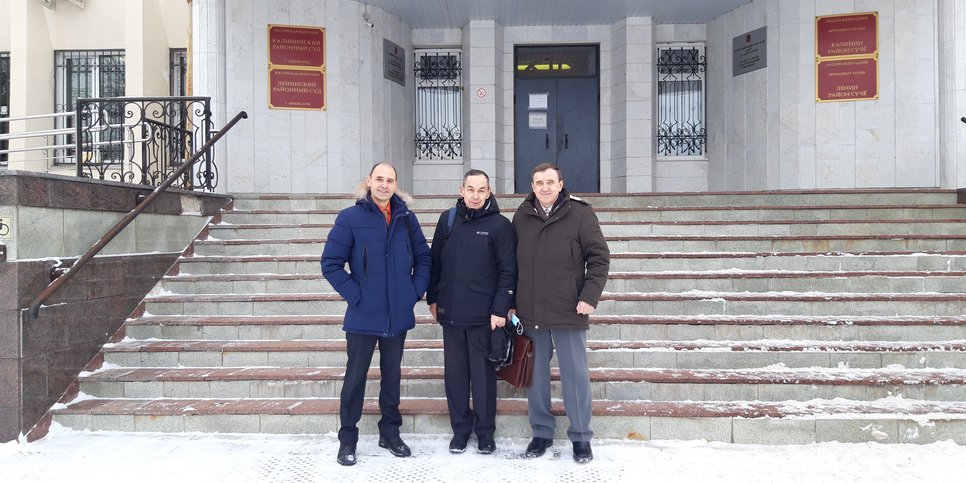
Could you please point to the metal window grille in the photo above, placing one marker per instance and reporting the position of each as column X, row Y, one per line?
column 90, row 73
column 178, row 119
column 179, row 72
column 681, row 91
column 4, row 101
column 439, row 104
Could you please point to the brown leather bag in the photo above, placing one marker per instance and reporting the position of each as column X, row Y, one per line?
column 520, row 371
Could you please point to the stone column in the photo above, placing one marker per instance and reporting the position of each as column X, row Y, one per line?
column 483, row 136
column 208, row 70
column 951, row 38
column 632, row 135
column 31, row 69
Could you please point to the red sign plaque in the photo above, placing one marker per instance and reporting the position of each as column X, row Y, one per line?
column 294, row 46
column 296, row 89
column 849, row 79
column 846, row 35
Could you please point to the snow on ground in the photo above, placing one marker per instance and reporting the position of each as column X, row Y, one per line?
column 80, row 456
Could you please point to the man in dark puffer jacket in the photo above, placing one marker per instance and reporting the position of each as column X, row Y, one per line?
column 389, row 263
column 470, row 292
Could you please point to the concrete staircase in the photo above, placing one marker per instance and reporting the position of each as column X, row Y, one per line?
column 788, row 317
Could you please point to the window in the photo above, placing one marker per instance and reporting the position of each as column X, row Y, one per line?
column 179, row 73
column 90, row 73
column 439, row 104
column 556, row 61
column 4, row 101
column 681, row 127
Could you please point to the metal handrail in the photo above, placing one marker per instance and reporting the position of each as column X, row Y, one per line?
column 37, row 116
column 36, row 134
column 72, row 145
column 34, row 311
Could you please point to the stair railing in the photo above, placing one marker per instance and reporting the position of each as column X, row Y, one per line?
column 61, row 276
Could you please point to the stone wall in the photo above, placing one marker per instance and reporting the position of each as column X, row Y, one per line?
column 39, row 359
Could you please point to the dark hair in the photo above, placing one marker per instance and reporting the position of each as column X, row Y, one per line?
column 545, row 166
column 476, row 172
column 374, row 166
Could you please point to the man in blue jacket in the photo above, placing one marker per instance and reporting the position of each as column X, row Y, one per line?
column 470, row 292
column 389, row 265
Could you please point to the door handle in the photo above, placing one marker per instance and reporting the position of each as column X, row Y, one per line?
column 566, row 140
column 548, row 141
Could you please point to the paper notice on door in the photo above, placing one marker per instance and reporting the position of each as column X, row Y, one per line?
column 538, row 120
column 538, row 100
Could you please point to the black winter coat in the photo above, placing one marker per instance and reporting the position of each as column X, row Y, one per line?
column 474, row 269
column 562, row 259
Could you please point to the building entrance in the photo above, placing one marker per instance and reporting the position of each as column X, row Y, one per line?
column 557, row 114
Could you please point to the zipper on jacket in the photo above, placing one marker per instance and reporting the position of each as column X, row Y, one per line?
column 365, row 262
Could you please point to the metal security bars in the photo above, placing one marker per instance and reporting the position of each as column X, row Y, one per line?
column 4, row 102
column 89, row 73
column 149, row 139
column 439, row 104
column 680, row 89
column 179, row 72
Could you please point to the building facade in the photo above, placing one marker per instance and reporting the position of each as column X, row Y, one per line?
column 635, row 97
column 53, row 52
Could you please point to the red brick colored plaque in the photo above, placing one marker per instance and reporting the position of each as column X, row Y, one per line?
column 849, row 79
column 296, row 46
column 296, row 89
column 846, row 35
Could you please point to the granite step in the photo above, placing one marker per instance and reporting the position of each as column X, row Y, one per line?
column 638, row 228
column 652, row 243
column 653, row 384
column 611, row 303
column 640, row 281
column 646, row 214
column 686, row 354
column 755, row 422
column 639, row 327
column 633, row 261
column 873, row 197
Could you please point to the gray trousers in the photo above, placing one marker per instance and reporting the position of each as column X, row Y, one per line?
column 571, row 348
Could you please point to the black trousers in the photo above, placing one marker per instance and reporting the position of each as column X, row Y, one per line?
column 359, row 349
column 466, row 371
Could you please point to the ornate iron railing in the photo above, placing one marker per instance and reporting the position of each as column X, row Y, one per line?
column 144, row 139
column 60, row 275
column 681, row 117
column 439, row 104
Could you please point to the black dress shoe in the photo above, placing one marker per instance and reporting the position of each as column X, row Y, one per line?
column 582, row 452
column 395, row 445
column 347, row 454
column 487, row 445
column 458, row 443
column 537, row 447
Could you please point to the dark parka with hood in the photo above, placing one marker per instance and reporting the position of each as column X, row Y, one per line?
column 561, row 259
column 389, row 266
column 474, row 267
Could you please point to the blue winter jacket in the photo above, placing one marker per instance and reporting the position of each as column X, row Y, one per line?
column 388, row 266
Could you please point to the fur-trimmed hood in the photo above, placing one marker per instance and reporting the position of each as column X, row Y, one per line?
column 361, row 190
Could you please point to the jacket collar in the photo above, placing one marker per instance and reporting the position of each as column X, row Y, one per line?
column 396, row 204
column 489, row 208
column 530, row 203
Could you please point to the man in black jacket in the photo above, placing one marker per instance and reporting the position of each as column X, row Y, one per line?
column 470, row 292
column 564, row 262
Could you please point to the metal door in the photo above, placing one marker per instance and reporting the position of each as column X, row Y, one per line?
column 557, row 115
